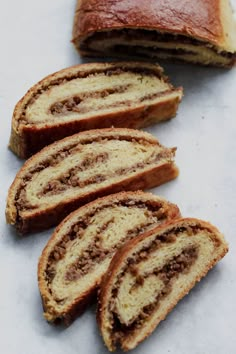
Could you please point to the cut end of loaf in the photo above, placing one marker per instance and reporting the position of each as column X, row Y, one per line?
column 149, row 275
column 153, row 45
column 202, row 32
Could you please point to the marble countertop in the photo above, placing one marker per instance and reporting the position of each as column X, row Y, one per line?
column 35, row 41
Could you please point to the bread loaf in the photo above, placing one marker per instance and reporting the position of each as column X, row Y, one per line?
column 150, row 274
column 202, row 31
column 90, row 96
column 80, row 168
column 80, row 250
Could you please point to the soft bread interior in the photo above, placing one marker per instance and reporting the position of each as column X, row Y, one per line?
column 151, row 278
column 79, row 253
column 73, row 277
column 92, row 164
column 97, row 94
column 88, row 92
column 84, row 168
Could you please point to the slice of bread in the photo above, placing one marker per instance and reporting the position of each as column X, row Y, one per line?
column 91, row 96
column 81, row 168
column 150, row 274
column 80, row 250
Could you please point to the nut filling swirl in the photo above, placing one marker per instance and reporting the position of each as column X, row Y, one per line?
column 150, row 274
column 80, row 251
column 164, row 277
column 151, row 43
column 78, row 169
column 95, row 233
column 78, row 94
column 87, row 165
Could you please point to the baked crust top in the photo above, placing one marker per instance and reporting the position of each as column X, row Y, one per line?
column 207, row 20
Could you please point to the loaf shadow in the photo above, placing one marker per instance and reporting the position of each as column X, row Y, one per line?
column 82, row 333
column 11, row 164
column 81, row 336
column 42, row 326
column 192, row 77
column 28, row 241
column 52, row 330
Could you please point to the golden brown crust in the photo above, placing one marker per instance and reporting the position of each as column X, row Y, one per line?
column 123, row 253
column 199, row 19
column 169, row 211
column 28, row 138
column 211, row 23
column 50, row 216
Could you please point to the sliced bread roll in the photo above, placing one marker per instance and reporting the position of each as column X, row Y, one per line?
column 91, row 96
column 150, row 274
column 80, row 168
column 80, row 250
column 202, row 31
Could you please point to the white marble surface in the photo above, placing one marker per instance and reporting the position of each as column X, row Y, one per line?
column 35, row 41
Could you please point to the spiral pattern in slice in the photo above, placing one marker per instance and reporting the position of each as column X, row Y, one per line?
column 80, row 250
column 78, row 169
column 150, row 274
